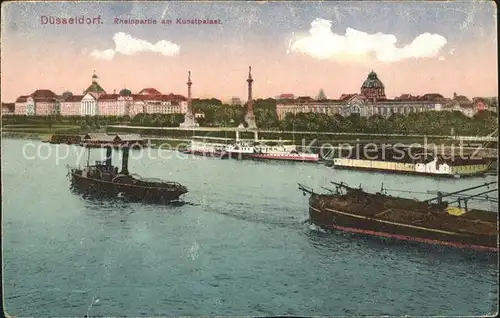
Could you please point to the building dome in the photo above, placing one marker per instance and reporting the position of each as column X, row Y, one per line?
column 125, row 92
column 372, row 81
column 373, row 88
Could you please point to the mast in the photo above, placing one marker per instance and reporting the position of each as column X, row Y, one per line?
column 125, row 160
column 440, row 195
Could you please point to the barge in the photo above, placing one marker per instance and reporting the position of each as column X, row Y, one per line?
column 412, row 161
column 432, row 221
column 103, row 180
column 100, row 140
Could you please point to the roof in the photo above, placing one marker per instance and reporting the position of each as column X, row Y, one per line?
column 43, row 93
column 176, row 97
column 150, row 91
column 22, row 99
column 372, row 81
column 94, row 88
column 99, row 137
column 125, row 92
column 110, row 138
column 462, row 100
column 287, row 95
column 74, row 98
column 347, row 96
column 479, row 100
column 165, row 98
column 10, row 106
column 130, row 137
column 108, row 97
column 311, row 101
column 425, row 97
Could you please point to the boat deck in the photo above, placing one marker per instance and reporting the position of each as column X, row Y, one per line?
column 410, row 212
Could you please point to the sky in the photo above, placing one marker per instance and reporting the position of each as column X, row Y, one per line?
column 293, row 47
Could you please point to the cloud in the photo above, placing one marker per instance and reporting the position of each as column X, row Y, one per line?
column 128, row 45
column 103, row 55
column 322, row 43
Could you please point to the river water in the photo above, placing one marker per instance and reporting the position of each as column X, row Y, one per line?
column 239, row 248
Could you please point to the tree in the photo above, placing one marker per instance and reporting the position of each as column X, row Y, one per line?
column 66, row 94
column 321, row 95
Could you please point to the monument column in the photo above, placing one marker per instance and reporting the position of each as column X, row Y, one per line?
column 189, row 120
column 249, row 116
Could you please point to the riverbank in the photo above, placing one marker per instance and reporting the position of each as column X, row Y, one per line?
column 309, row 139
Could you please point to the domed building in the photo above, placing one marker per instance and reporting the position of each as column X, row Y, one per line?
column 125, row 92
column 95, row 87
column 373, row 88
column 371, row 101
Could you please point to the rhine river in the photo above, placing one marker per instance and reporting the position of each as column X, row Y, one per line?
column 240, row 248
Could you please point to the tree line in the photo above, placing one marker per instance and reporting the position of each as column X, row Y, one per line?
column 217, row 114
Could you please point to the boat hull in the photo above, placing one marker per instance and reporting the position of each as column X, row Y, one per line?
column 211, row 154
column 259, row 156
column 285, row 157
column 354, row 223
column 101, row 188
column 411, row 173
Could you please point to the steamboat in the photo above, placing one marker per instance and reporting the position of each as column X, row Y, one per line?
column 103, row 180
column 413, row 161
column 266, row 150
column 253, row 149
column 433, row 221
column 207, row 146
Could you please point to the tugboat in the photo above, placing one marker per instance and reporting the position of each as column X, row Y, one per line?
column 432, row 221
column 103, row 180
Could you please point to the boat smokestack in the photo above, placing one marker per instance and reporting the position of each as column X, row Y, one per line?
column 125, row 160
column 108, row 157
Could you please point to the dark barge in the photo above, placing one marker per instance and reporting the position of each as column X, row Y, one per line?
column 103, row 180
column 100, row 140
column 433, row 221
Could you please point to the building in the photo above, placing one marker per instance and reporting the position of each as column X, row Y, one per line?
column 8, row 109
column 96, row 101
column 285, row 96
column 370, row 101
column 235, row 101
column 467, row 107
column 41, row 102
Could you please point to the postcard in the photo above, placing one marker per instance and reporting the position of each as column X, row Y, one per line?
column 258, row 158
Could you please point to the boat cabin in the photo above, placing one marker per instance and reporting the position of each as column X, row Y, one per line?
column 117, row 140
